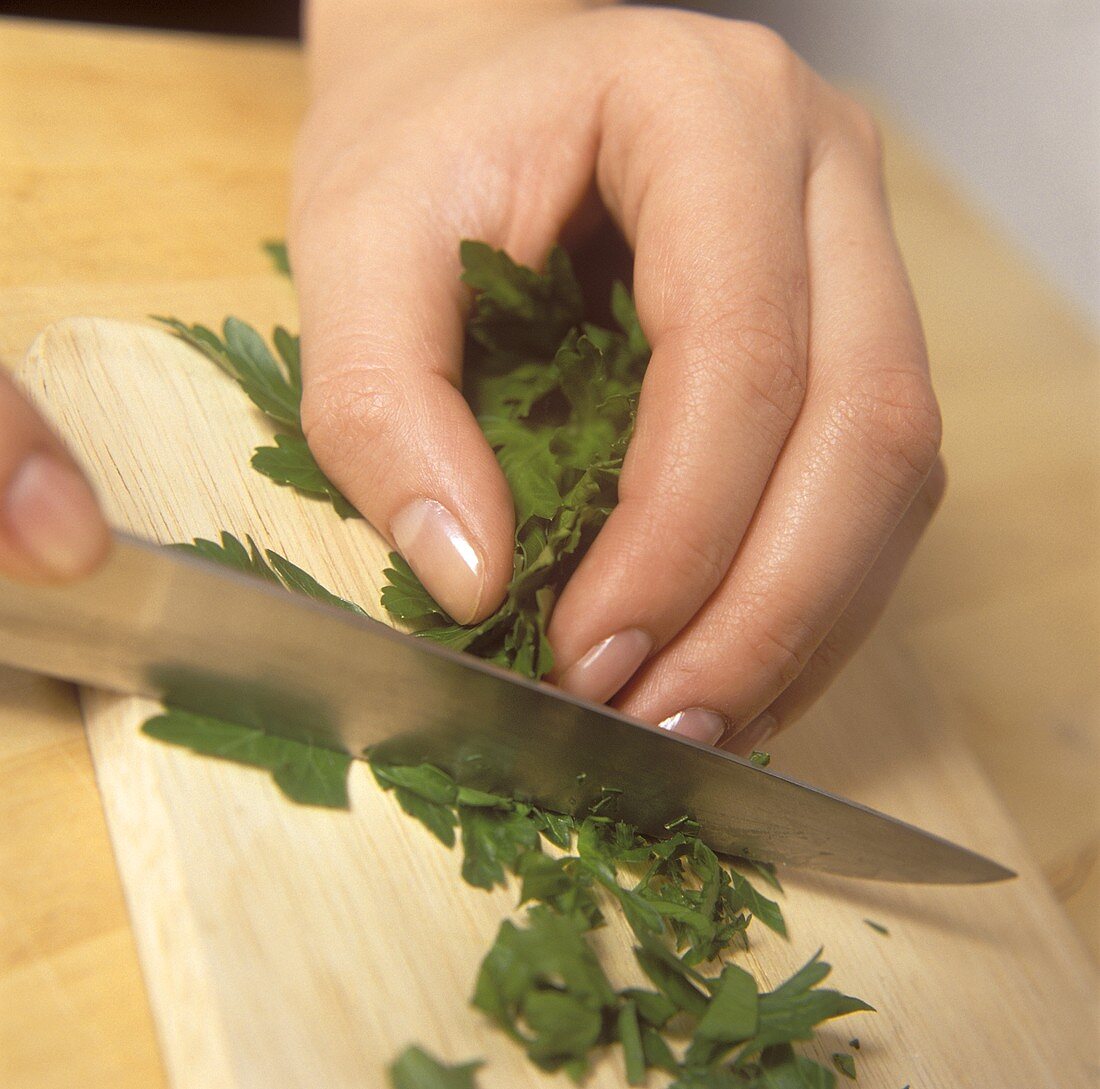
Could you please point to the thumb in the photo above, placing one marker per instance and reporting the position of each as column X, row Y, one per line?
column 382, row 316
column 50, row 525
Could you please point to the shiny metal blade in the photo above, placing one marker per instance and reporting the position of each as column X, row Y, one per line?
column 203, row 637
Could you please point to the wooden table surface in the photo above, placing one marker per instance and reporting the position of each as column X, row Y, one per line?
column 137, row 174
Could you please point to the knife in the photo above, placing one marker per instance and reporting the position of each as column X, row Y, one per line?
column 206, row 638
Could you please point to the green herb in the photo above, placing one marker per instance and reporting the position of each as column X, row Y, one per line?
column 542, row 982
column 276, row 250
column 305, row 773
column 760, row 759
column 274, row 386
column 556, row 398
column 266, row 565
column 630, row 1036
column 877, row 927
column 416, row 1069
column 845, row 1064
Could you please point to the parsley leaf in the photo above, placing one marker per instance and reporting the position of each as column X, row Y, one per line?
column 543, row 985
column 307, row 774
column 275, row 248
column 274, row 386
column 794, row 1008
column 732, row 1013
column 267, row 565
column 291, row 462
column 845, row 1064
column 416, row 1069
column 520, row 312
column 493, row 841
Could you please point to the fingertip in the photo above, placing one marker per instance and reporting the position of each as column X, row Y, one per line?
column 53, row 520
column 607, row 666
column 445, row 558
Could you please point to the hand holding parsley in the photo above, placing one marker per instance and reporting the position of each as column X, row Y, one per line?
column 784, row 459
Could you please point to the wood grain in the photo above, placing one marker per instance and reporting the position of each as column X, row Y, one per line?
column 293, row 947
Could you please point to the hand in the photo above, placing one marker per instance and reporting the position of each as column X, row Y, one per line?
column 785, row 457
column 50, row 525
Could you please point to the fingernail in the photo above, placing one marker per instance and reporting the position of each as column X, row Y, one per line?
column 755, row 733
column 53, row 516
column 697, row 723
column 607, row 666
column 432, row 541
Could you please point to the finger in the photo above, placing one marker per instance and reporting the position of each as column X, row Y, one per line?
column 50, row 524
column 720, row 287
column 852, row 629
column 382, row 311
column 864, row 443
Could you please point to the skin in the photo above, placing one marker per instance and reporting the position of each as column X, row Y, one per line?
column 785, row 461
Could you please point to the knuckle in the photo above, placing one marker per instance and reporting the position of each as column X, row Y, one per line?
column 750, row 347
column 766, row 53
column 781, row 651
column 772, row 371
column 862, row 129
column 896, row 417
column 694, row 52
column 704, row 560
column 350, row 410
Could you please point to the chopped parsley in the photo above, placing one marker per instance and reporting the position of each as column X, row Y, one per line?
column 556, row 397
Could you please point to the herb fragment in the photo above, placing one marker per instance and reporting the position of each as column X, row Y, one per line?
column 845, row 1063
column 276, row 249
column 760, row 759
column 416, row 1069
column 877, row 927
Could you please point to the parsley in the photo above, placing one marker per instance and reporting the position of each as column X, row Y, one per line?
column 305, row 773
column 274, row 386
column 416, row 1069
column 275, row 248
column 845, row 1063
column 556, row 397
column 542, row 983
column 266, row 565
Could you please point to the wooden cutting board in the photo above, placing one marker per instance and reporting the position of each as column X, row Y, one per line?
column 289, row 947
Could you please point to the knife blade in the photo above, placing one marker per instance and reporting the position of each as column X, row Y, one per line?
column 205, row 638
